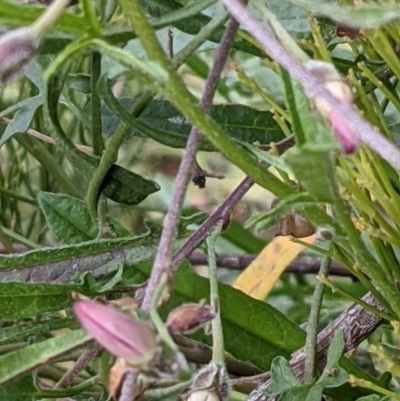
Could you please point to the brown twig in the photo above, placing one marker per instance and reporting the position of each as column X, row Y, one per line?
column 222, row 211
column 79, row 365
column 301, row 265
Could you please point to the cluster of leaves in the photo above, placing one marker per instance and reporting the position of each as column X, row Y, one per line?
column 75, row 198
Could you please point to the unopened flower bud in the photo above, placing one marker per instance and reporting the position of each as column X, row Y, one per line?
column 188, row 318
column 17, row 50
column 118, row 332
column 337, row 85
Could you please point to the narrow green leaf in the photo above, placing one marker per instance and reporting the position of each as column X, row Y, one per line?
column 25, row 110
column 61, row 264
column 18, row 332
column 315, row 172
column 274, row 161
column 124, row 186
column 20, row 301
column 171, row 128
column 17, row 363
column 22, row 118
column 19, row 14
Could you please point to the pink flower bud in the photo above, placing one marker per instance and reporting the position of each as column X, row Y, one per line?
column 17, row 50
column 118, row 332
column 334, row 83
column 348, row 139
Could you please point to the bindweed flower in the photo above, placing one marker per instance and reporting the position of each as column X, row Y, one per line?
column 188, row 318
column 17, row 50
column 118, row 332
column 334, row 83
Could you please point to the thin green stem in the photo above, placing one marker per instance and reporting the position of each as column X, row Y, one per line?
column 49, row 17
column 89, row 13
column 16, row 195
column 46, row 159
column 355, row 381
column 310, row 349
column 8, row 246
column 19, row 238
column 98, row 145
column 155, row 317
column 217, row 333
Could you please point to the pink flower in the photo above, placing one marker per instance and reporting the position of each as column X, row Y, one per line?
column 349, row 140
column 118, row 332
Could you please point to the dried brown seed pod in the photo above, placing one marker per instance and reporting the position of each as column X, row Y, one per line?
column 188, row 318
column 294, row 224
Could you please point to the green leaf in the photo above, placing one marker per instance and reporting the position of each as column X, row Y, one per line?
column 368, row 16
column 25, row 109
column 68, row 218
column 19, row 390
column 18, row 332
column 240, row 122
column 124, row 186
column 283, row 378
column 274, row 161
column 19, row 14
column 334, row 375
column 60, row 265
column 20, row 301
column 315, row 172
column 15, row 364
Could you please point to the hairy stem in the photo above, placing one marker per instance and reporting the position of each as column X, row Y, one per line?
column 311, row 340
column 79, row 365
column 217, row 333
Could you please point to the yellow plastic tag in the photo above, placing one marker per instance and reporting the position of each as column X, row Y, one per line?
column 258, row 279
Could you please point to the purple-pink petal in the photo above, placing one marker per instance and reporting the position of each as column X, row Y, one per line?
column 348, row 139
column 118, row 332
